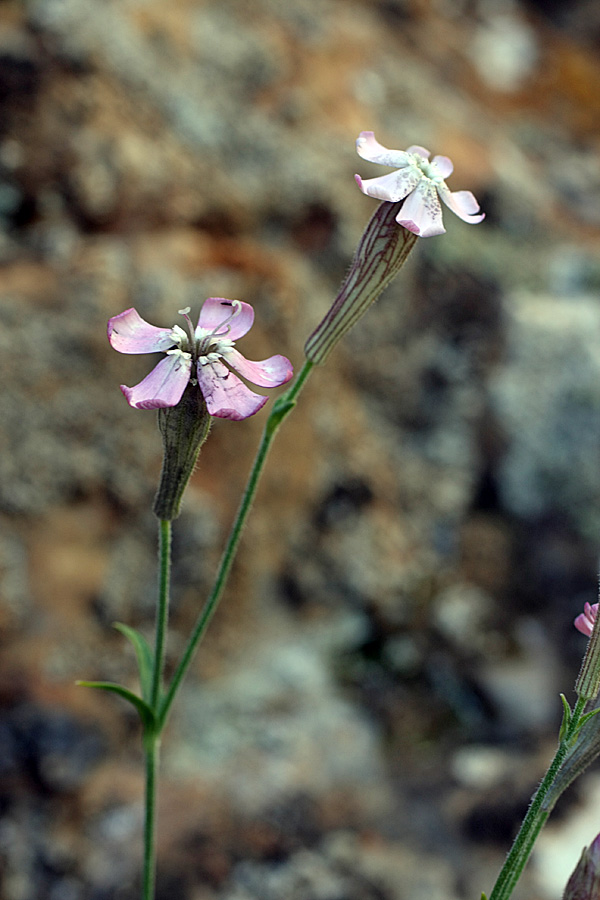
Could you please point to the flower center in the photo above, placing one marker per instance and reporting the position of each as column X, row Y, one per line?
column 426, row 168
column 202, row 345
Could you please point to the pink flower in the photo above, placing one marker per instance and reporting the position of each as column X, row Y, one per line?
column 585, row 621
column 205, row 355
column 417, row 181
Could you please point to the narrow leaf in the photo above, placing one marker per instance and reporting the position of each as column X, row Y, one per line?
column 144, row 657
column 145, row 713
column 588, row 716
column 566, row 720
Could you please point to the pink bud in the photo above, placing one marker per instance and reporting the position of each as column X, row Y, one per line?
column 585, row 620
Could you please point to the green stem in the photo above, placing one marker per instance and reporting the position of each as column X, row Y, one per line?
column 152, row 733
column 162, row 615
column 281, row 408
column 536, row 816
column 151, row 749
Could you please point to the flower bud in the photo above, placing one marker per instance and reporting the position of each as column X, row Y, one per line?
column 584, row 883
column 588, row 680
column 184, row 428
column 380, row 254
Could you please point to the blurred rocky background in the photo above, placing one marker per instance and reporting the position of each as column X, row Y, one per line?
column 378, row 694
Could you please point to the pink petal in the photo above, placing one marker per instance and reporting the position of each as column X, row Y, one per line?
column 129, row 333
column 164, row 386
column 216, row 309
column 226, row 396
column 421, row 212
column 462, row 203
column 443, row 166
column 583, row 625
column 585, row 621
column 269, row 372
column 368, row 148
column 392, row 187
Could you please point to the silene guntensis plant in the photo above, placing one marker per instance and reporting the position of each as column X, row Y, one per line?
column 202, row 375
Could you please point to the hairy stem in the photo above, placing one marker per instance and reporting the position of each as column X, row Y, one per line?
column 152, row 733
column 281, row 408
column 151, row 749
column 536, row 816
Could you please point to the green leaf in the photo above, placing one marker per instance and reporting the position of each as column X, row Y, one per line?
column 144, row 711
column 589, row 715
column 566, row 720
column 585, row 718
column 144, row 657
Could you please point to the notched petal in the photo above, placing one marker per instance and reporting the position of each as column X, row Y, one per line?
column 392, row 187
column 165, row 384
column 462, row 203
column 421, row 212
column 585, row 621
column 226, row 396
column 217, row 310
column 129, row 333
column 443, row 165
column 370, row 149
column 271, row 372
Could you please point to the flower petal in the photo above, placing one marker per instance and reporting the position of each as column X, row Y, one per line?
column 216, row 310
column 421, row 151
column 226, row 396
column 370, row 149
column 585, row 620
column 269, row 372
column 421, row 212
column 583, row 625
column 462, row 203
column 129, row 333
column 165, row 384
column 443, row 166
column 392, row 187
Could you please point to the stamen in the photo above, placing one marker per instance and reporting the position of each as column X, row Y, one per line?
column 237, row 308
column 179, row 336
column 185, row 312
column 177, row 352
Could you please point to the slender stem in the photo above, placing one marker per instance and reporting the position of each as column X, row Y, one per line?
column 162, row 614
column 536, row 816
column 282, row 407
column 152, row 733
column 151, row 748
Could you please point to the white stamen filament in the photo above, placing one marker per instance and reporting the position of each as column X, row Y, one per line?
column 204, row 346
column 185, row 312
column 214, row 341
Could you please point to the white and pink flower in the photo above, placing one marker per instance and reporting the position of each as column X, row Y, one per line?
column 205, row 354
column 419, row 182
